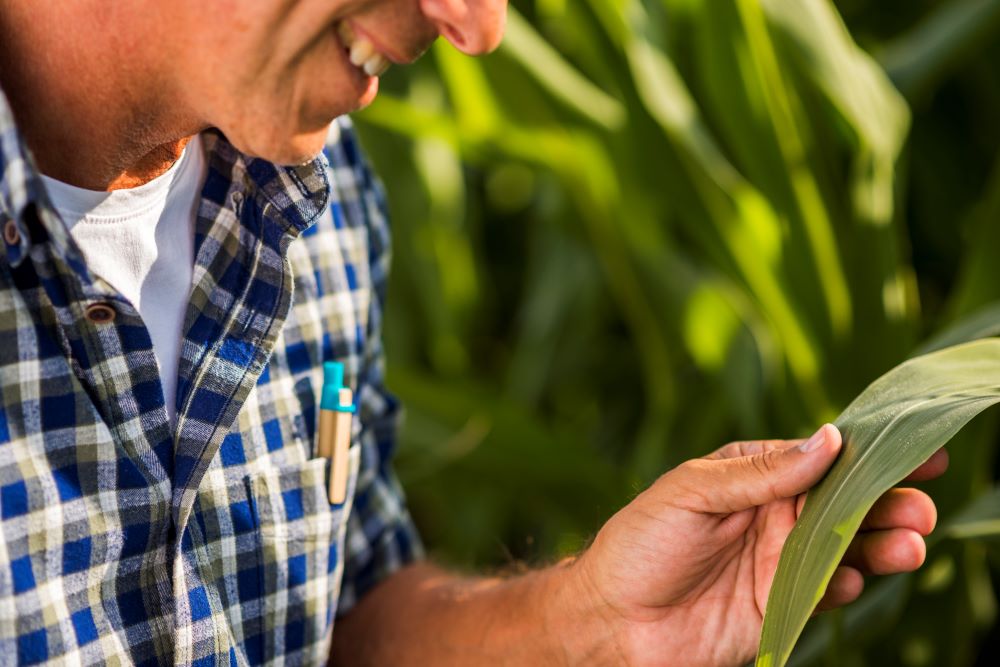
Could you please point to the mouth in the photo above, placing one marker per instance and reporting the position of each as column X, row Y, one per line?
column 361, row 51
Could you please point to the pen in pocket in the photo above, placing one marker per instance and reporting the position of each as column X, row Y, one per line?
column 335, row 409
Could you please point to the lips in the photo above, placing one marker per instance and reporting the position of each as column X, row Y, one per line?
column 362, row 53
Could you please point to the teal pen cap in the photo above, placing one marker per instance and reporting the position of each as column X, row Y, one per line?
column 333, row 382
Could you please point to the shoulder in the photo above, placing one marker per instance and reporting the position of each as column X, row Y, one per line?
column 357, row 198
column 352, row 172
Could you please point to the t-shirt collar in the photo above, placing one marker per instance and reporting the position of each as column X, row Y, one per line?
column 297, row 195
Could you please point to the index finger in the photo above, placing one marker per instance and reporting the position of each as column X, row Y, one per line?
column 750, row 448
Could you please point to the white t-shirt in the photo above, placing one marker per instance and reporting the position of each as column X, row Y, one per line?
column 141, row 241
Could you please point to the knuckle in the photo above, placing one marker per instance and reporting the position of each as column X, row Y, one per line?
column 765, row 467
column 764, row 463
column 691, row 486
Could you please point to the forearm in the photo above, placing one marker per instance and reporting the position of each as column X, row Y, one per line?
column 425, row 616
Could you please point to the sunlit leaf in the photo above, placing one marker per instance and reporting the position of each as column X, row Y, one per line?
column 762, row 119
column 890, row 429
column 476, row 108
column 592, row 242
column 857, row 89
column 557, row 76
column 746, row 221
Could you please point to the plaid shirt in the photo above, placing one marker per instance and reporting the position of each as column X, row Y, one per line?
column 123, row 540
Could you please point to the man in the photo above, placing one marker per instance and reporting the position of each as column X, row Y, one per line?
column 161, row 499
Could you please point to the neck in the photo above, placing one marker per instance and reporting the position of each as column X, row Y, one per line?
column 90, row 101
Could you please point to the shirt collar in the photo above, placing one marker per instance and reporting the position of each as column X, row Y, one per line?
column 20, row 185
column 295, row 196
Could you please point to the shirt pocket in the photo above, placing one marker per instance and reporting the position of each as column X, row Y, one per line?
column 301, row 541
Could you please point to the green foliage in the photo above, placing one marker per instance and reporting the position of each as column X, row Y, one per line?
column 644, row 228
column 889, row 430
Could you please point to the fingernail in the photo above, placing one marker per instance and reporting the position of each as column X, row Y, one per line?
column 815, row 442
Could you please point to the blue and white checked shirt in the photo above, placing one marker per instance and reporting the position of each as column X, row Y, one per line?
column 125, row 541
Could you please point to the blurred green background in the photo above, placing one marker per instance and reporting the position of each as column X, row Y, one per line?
column 645, row 228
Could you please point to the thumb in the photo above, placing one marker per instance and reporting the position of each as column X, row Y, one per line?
column 782, row 471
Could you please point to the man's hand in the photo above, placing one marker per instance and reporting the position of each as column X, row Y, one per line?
column 678, row 577
column 681, row 575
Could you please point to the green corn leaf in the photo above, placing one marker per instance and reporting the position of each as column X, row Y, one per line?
column 857, row 89
column 979, row 521
column 889, row 430
column 982, row 323
column 748, row 224
column 558, row 77
column 946, row 40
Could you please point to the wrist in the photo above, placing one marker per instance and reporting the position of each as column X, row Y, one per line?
column 578, row 619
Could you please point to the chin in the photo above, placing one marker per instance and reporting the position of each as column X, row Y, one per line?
column 282, row 148
column 299, row 149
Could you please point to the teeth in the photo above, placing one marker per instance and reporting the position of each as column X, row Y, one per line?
column 376, row 65
column 362, row 51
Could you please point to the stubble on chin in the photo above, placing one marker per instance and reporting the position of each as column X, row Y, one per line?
column 286, row 148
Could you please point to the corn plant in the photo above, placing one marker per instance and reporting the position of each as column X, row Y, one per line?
column 643, row 228
column 889, row 430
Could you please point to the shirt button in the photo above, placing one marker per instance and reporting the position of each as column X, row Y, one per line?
column 100, row 313
column 10, row 233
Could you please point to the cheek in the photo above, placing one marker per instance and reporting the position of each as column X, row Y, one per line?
column 280, row 109
column 308, row 92
column 326, row 84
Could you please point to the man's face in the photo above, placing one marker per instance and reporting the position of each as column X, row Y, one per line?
column 272, row 74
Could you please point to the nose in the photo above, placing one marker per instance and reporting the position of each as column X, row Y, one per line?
column 474, row 27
